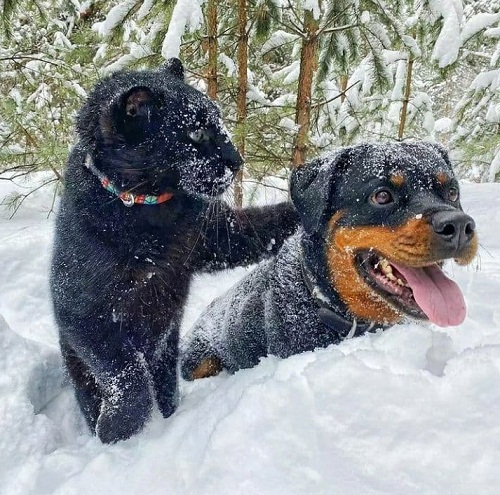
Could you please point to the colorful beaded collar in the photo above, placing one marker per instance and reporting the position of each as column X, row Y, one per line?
column 127, row 198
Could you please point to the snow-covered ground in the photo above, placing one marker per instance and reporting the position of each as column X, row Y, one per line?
column 413, row 410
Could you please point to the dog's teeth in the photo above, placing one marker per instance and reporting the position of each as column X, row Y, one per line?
column 385, row 267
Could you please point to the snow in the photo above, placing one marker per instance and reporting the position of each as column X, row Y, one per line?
column 277, row 39
column 186, row 14
column 114, row 18
column 493, row 113
column 476, row 24
column 399, row 81
column 229, row 64
column 493, row 32
column 443, row 124
column 486, row 79
column 314, row 6
column 412, row 45
column 448, row 42
column 290, row 74
column 412, row 410
column 145, row 9
column 288, row 124
column 494, row 167
column 496, row 55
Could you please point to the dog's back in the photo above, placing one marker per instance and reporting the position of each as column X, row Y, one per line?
column 269, row 311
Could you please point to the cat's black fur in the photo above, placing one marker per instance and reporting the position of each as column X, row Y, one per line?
column 120, row 275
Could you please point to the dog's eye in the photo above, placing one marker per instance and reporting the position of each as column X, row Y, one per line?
column 453, row 194
column 198, row 135
column 382, row 197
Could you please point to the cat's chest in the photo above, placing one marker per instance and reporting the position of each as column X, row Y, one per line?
column 161, row 260
column 151, row 289
column 147, row 253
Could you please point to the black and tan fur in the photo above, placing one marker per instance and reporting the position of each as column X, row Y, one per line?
column 359, row 206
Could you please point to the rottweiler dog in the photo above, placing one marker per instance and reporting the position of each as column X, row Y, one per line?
column 378, row 221
column 139, row 215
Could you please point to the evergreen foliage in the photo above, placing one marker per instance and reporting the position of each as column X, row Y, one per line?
column 393, row 69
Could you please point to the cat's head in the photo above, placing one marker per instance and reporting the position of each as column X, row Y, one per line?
column 152, row 130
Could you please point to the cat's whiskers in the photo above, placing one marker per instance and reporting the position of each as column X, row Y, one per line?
column 241, row 211
column 203, row 229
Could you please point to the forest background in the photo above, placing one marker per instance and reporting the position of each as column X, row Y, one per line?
column 294, row 78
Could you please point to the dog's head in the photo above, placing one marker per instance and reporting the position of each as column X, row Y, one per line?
column 384, row 218
column 151, row 127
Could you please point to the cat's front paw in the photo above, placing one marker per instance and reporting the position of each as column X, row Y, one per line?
column 121, row 419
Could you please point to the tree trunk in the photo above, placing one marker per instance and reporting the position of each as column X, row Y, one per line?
column 241, row 99
column 308, row 66
column 344, row 79
column 212, row 49
column 406, row 98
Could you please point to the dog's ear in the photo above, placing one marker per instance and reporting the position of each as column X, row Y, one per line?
column 137, row 103
column 311, row 188
column 438, row 149
column 133, row 113
column 174, row 67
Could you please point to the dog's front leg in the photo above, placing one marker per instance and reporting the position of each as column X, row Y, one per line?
column 126, row 404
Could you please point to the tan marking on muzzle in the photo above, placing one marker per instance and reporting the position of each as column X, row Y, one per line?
column 410, row 244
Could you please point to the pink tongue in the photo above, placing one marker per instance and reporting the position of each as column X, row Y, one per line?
column 437, row 296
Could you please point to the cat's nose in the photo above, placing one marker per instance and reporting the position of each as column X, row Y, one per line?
column 234, row 161
column 229, row 153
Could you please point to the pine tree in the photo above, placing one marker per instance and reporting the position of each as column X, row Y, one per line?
column 392, row 70
column 241, row 98
column 45, row 61
column 475, row 123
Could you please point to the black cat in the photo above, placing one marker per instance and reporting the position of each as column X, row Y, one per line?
column 138, row 218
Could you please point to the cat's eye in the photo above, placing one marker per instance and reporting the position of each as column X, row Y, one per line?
column 198, row 135
column 382, row 197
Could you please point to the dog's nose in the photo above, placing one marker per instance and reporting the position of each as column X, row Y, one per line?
column 454, row 228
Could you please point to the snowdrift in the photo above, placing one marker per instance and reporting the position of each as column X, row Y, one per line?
column 412, row 410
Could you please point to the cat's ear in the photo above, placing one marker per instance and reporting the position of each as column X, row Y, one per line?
column 137, row 103
column 133, row 113
column 174, row 67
